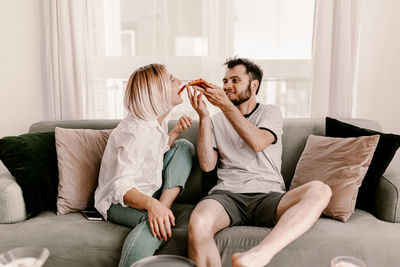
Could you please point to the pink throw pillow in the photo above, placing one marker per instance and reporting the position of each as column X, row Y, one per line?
column 340, row 163
column 79, row 154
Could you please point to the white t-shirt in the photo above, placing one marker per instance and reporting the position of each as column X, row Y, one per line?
column 240, row 169
column 133, row 158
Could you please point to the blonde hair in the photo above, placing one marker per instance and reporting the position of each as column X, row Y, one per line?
column 147, row 94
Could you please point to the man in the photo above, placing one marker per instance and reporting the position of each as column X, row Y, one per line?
column 245, row 142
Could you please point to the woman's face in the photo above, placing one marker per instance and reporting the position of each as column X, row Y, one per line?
column 175, row 86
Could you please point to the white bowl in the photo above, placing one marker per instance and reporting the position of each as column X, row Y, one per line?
column 24, row 257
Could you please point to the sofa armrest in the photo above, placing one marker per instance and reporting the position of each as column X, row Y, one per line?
column 12, row 205
column 387, row 196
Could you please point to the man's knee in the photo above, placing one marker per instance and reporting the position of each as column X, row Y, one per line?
column 319, row 192
column 200, row 226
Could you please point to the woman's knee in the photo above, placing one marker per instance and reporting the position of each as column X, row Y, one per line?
column 182, row 153
column 185, row 146
column 178, row 163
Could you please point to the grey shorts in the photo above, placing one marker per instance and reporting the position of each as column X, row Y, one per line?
column 257, row 209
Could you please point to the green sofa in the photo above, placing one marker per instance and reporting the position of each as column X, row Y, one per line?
column 75, row 241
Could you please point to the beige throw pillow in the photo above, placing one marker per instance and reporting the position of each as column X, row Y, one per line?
column 79, row 153
column 340, row 163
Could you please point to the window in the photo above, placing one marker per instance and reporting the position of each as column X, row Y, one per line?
column 194, row 37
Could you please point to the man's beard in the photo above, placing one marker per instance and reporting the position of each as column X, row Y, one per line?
column 243, row 97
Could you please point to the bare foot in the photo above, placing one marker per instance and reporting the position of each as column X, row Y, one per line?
column 250, row 259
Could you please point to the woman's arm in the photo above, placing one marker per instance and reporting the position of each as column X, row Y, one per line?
column 129, row 170
column 160, row 217
column 137, row 200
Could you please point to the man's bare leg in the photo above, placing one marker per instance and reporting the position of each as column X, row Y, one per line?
column 207, row 218
column 296, row 213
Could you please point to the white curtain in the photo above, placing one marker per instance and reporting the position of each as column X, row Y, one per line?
column 120, row 36
column 335, row 57
column 217, row 27
column 68, row 82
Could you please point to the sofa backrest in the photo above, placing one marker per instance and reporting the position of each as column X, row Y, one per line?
column 193, row 188
column 295, row 134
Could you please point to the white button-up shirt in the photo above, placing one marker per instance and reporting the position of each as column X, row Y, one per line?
column 133, row 158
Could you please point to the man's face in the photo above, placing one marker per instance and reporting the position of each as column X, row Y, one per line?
column 237, row 84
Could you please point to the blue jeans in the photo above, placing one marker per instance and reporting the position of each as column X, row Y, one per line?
column 140, row 242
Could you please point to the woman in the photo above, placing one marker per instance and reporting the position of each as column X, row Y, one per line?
column 143, row 167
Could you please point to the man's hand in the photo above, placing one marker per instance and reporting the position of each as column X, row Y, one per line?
column 160, row 219
column 197, row 102
column 183, row 124
column 216, row 96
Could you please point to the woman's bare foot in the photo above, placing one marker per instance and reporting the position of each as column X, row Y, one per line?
column 250, row 259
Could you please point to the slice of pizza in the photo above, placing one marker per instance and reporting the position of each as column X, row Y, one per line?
column 200, row 82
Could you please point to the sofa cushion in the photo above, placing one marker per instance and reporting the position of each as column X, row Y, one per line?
column 79, row 154
column 32, row 160
column 363, row 236
column 76, row 241
column 71, row 239
column 341, row 163
column 385, row 151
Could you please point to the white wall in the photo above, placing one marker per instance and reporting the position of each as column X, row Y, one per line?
column 378, row 95
column 20, row 66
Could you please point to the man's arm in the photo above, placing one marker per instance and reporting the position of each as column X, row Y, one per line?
column 258, row 139
column 207, row 155
column 255, row 137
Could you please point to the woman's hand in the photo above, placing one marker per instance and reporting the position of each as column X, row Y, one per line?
column 183, row 124
column 197, row 102
column 160, row 219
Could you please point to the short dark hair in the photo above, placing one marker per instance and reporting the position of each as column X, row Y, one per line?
column 254, row 70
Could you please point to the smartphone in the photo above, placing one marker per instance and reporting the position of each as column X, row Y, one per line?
column 92, row 215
